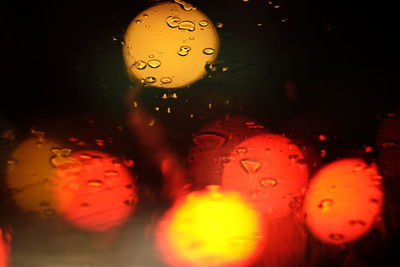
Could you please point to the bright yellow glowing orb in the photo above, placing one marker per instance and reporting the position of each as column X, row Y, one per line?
column 210, row 228
column 31, row 176
column 168, row 45
column 344, row 200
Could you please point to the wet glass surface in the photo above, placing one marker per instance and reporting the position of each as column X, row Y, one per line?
column 97, row 144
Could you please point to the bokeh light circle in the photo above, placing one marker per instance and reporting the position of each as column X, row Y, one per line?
column 168, row 45
column 210, row 228
column 344, row 200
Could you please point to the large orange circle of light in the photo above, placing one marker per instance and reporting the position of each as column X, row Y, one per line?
column 169, row 44
column 270, row 171
column 31, row 176
column 96, row 194
column 210, row 228
column 343, row 201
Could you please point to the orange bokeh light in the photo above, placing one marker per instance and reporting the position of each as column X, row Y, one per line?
column 344, row 201
column 210, row 228
column 97, row 193
column 270, row 171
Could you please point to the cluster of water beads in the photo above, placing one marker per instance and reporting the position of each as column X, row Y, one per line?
column 176, row 22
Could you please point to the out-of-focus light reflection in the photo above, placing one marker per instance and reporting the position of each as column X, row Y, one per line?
column 270, row 171
column 210, row 228
column 344, row 201
column 31, row 176
column 97, row 193
column 5, row 239
column 168, row 45
column 213, row 145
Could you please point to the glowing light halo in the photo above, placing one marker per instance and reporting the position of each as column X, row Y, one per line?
column 166, row 45
column 270, row 171
column 97, row 194
column 343, row 201
column 31, row 176
column 210, row 227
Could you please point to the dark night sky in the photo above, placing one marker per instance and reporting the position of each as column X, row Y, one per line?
column 59, row 60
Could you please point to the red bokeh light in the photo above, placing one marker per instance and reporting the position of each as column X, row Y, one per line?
column 270, row 171
column 344, row 201
column 97, row 193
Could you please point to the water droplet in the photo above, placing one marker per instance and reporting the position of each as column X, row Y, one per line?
column 145, row 16
column 357, row 223
column 128, row 162
column 49, row 212
column 254, row 194
column 268, row 182
column 140, row 65
column 11, row 162
column 173, row 21
column 225, row 159
column 250, row 166
column 191, row 38
column 85, row 156
column 203, row 23
column 374, row 200
column 165, row 80
column 301, row 161
column 150, row 79
column 390, row 145
column 154, row 63
column 186, row 25
column 208, row 51
column 336, row 237
column 219, row 25
column 95, row 183
column 208, row 142
column 325, row 204
column 131, row 201
column 147, row 26
column 185, row 6
column 138, row 21
column 110, row 174
column 241, row 151
column 44, row 204
column 184, row 50
column 296, row 203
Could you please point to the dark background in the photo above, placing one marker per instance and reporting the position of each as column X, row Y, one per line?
column 63, row 72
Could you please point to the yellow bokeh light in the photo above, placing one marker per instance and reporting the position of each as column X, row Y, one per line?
column 168, row 45
column 210, row 228
column 31, row 176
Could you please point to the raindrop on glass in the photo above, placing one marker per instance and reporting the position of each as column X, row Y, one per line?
column 336, row 237
column 95, row 183
column 150, row 79
column 357, row 223
column 325, row 204
column 154, row 63
column 268, row 182
column 110, row 174
column 186, row 25
column 166, row 80
column 250, row 166
column 172, row 21
column 140, row 65
column 208, row 51
column 203, row 23
column 241, row 151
